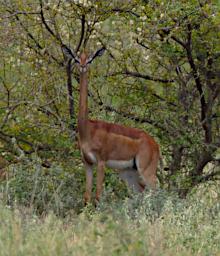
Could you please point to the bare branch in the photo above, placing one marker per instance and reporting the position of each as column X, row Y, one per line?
column 205, row 158
column 20, row 13
column 8, row 139
column 36, row 42
column 205, row 125
column 9, row 112
column 56, row 36
column 83, row 20
column 119, row 10
column 146, row 77
column 164, row 100
column 142, row 44
column 70, row 95
column 177, row 40
column 209, row 176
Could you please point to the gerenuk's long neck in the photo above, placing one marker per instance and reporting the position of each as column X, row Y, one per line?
column 83, row 107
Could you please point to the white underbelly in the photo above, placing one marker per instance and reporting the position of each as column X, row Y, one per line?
column 114, row 164
column 120, row 164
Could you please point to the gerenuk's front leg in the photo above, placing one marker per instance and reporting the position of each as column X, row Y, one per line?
column 100, row 179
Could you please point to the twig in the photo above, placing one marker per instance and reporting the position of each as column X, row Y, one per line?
column 143, row 76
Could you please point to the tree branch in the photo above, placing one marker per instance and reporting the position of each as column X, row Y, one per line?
column 69, row 78
column 208, row 177
column 70, row 95
column 164, row 100
column 57, row 37
column 204, row 120
column 20, row 13
column 83, row 20
column 37, row 44
column 8, row 139
column 177, row 40
column 142, row 44
column 139, row 75
column 119, row 10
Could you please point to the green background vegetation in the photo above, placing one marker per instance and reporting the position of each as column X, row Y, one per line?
column 160, row 73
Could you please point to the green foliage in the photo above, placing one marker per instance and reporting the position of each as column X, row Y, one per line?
column 58, row 189
column 44, row 189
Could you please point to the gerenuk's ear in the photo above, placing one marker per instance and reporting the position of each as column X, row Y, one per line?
column 69, row 54
column 96, row 54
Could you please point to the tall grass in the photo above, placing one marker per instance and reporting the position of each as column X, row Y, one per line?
column 149, row 224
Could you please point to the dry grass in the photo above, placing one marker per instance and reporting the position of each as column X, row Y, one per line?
column 158, row 224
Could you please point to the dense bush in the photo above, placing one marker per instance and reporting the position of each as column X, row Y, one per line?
column 43, row 189
column 59, row 188
column 160, row 73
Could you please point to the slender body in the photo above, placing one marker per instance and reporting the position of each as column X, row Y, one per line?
column 131, row 151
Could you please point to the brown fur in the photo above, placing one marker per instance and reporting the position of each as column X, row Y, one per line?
column 109, row 141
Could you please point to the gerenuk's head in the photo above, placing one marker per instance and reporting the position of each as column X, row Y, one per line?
column 83, row 60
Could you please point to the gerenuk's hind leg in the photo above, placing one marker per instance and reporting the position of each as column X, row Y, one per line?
column 89, row 180
column 132, row 179
column 148, row 171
